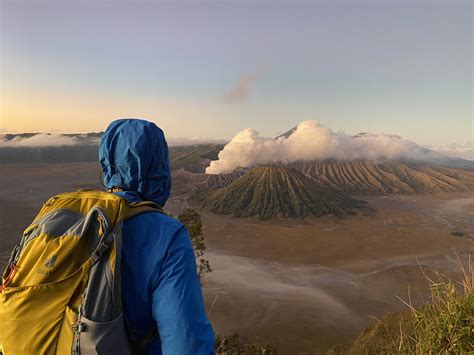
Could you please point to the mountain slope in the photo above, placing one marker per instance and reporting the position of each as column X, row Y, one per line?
column 386, row 177
column 216, row 181
column 268, row 192
column 193, row 158
column 368, row 177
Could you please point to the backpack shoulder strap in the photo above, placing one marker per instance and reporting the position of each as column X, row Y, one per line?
column 138, row 346
column 135, row 208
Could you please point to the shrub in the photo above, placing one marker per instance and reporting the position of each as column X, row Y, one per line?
column 238, row 345
column 192, row 220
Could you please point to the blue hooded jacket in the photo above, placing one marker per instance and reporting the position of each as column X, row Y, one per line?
column 159, row 279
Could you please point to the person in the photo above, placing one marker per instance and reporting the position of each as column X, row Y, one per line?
column 160, row 286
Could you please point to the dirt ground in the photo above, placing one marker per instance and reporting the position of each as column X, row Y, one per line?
column 301, row 285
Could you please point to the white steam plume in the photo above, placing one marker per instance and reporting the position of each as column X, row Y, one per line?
column 309, row 141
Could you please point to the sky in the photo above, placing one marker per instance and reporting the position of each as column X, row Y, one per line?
column 211, row 69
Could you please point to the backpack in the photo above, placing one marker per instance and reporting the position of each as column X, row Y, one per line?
column 61, row 290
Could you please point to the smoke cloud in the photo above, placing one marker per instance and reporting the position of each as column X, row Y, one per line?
column 241, row 90
column 38, row 140
column 309, row 141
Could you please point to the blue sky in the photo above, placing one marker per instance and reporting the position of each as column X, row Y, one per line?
column 214, row 68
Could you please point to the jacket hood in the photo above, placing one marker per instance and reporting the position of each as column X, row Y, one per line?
column 133, row 154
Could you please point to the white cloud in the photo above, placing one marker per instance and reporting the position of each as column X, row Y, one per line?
column 52, row 139
column 465, row 151
column 182, row 141
column 38, row 140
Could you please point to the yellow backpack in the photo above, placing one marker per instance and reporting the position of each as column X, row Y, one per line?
column 61, row 291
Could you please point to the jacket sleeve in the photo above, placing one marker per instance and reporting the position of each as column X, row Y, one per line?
column 177, row 302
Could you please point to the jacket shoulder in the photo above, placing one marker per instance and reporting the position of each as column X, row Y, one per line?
column 157, row 218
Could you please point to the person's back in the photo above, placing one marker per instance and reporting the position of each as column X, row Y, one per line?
column 160, row 286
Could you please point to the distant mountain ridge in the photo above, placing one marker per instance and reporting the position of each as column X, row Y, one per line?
column 387, row 177
column 11, row 136
column 90, row 138
column 192, row 154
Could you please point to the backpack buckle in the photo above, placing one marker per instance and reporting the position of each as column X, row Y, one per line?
column 13, row 255
column 79, row 327
column 100, row 250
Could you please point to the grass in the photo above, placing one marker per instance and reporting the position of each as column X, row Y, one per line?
column 445, row 325
column 239, row 345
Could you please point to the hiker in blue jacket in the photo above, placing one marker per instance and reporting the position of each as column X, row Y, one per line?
column 160, row 285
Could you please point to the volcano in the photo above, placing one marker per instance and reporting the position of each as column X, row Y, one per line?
column 271, row 191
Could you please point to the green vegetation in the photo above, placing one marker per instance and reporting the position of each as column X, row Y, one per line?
column 444, row 325
column 192, row 220
column 268, row 192
column 381, row 337
column 238, row 345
